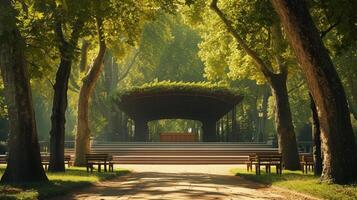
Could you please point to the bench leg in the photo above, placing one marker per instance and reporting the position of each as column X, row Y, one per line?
column 302, row 168
column 105, row 167
column 99, row 167
column 257, row 169
column 306, row 167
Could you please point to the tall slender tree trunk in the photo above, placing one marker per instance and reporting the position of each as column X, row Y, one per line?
column 59, row 105
column 316, row 139
column 83, row 131
column 24, row 161
column 338, row 142
column 265, row 102
column 283, row 122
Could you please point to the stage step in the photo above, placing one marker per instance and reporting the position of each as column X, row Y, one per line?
column 178, row 153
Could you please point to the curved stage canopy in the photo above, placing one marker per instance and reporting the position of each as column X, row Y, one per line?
column 204, row 102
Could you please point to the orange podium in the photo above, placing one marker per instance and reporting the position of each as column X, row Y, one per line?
column 178, row 137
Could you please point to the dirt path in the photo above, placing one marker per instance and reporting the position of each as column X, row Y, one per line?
column 171, row 182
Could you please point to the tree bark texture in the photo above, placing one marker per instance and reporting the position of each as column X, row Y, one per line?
column 83, row 131
column 24, row 160
column 338, row 142
column 283, row 122
column 316, row 139
column 59, row 104
column 352, row 100
column 265, row 102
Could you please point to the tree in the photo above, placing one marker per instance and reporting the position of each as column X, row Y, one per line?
column 273, row 67
column 316, row 137
column 83, row 131
column 338, row 142
column 109, row 15
column 24, row 161
column 63, row 15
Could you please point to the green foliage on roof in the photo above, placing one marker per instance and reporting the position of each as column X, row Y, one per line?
column 204, row 88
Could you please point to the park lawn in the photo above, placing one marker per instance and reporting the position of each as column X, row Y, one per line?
column 60, row 183
column 303, row 183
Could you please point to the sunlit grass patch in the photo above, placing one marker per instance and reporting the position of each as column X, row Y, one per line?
column 60, row 183
column 303, row 183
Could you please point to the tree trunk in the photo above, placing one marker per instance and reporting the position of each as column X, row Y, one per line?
column 316, row 138
column 283, row 122
column 59, row 105
column 83, row 131
column 338, row 142
column 265, row 103
column 58, row 118
column 24, row 161
column 352, row 100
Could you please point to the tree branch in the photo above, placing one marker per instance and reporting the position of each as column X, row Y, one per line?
column 324, row 33
column 297, row 87
column 258, row 61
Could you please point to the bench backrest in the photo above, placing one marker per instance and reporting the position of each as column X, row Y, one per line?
column 46, row 157
column 272, row 157
column 3, row 158
column 67, row 157
column 97, row 157
column 307, row 158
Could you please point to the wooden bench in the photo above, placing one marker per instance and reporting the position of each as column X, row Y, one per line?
column 250, row 161
column 307, row 163
column 268, row 160
column 45, row 159
column 3, row 159
column 99, row 159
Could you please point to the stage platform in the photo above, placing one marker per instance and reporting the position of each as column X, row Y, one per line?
column 179, row 153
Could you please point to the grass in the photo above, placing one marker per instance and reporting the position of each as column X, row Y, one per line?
column 187, row 87
column 60, row 183
column 303, row 183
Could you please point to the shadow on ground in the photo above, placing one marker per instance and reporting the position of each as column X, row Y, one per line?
column 156, row 185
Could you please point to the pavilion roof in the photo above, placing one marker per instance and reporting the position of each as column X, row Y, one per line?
column 173, row 100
